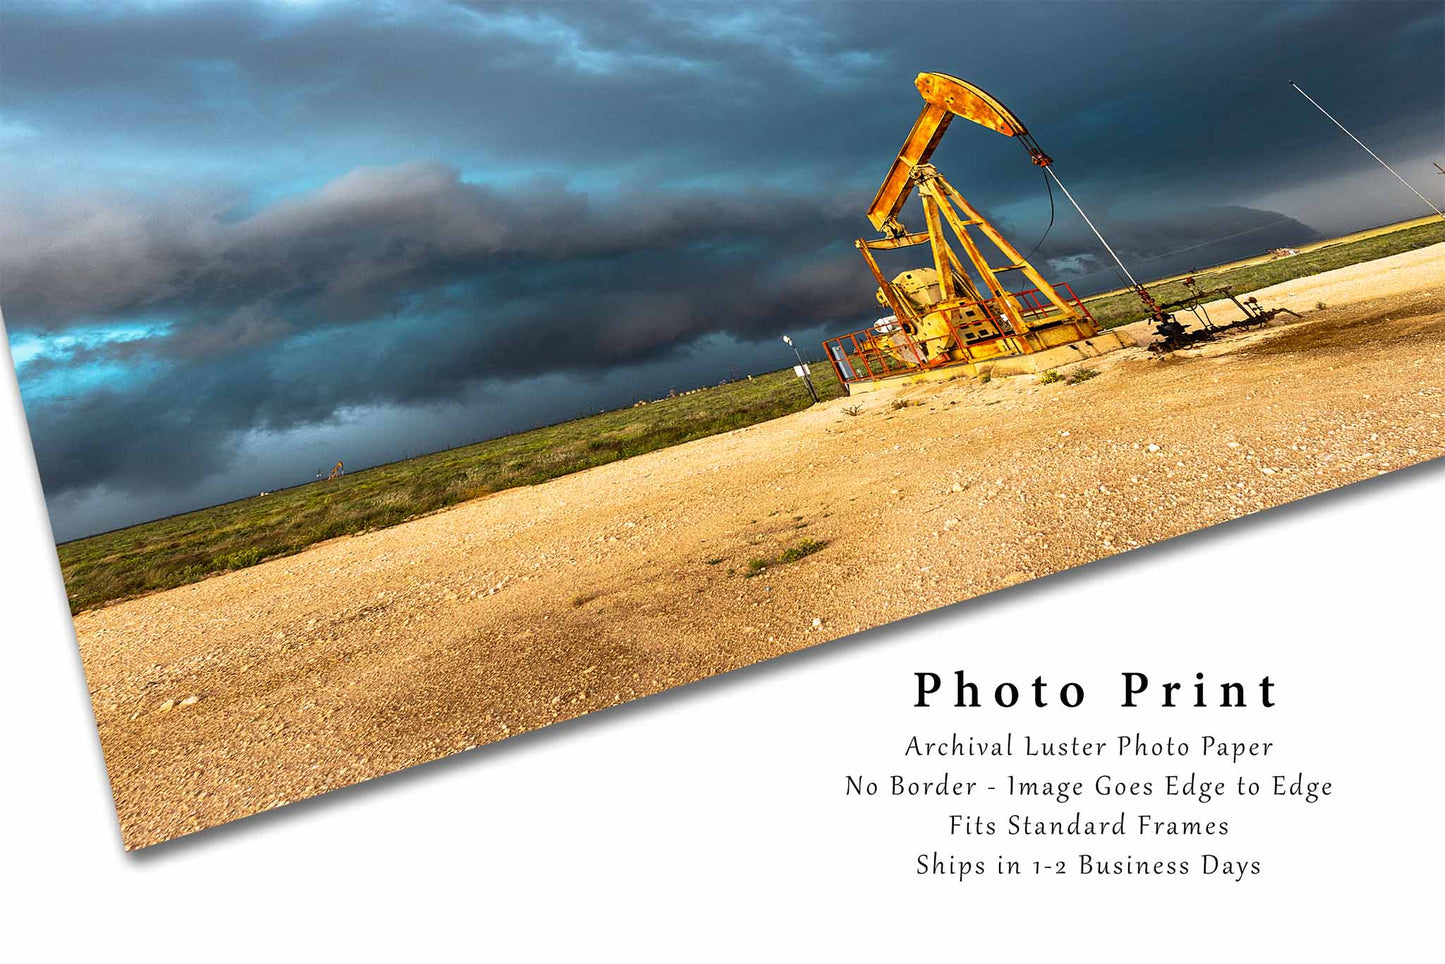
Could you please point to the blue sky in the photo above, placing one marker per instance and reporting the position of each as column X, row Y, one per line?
column 239, row 241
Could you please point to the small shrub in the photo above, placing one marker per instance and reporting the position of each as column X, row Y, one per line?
column 1049, row 377
column 580, row 600
column 852, row 411
column 1083, row 375
column 756, row 565
column 898, row 403
column 240, row 560
column 713, row 561
column 1320, row 306
column 985, row 378
column 805, row 548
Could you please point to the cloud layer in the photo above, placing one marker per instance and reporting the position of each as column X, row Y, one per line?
column 220, row 220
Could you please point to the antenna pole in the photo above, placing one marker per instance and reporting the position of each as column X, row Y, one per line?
column 1367, row 150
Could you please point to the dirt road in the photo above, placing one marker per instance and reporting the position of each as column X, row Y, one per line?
column 375, row 652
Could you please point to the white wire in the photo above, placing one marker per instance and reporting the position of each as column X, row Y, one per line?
column 1050, row 171
column 1368, row 151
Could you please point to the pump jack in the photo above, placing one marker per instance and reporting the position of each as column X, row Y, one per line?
column 939, row 314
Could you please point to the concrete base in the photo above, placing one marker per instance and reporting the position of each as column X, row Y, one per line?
column 1104, row 341
column 1032, row 363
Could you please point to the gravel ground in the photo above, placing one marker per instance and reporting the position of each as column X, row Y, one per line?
column 375, row 652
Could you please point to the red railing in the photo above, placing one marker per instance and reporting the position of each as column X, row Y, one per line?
column 1036, row 305
column 873, row 353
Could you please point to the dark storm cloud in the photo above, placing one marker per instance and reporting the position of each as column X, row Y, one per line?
column 395, row 285
column 309, row 209
column 371, row 243
column 680, row 91
column 200, row 408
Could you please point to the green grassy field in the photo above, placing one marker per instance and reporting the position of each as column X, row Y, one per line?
column 184, row 548
column 1121, row 308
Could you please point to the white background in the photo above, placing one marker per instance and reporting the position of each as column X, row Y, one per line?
column 711, row 821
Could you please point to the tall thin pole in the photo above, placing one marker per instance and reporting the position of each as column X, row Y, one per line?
column 1367, row 150
column 803, row 370
column 1050, row 171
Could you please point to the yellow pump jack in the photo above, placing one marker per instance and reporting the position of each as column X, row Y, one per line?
column 940, row 315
